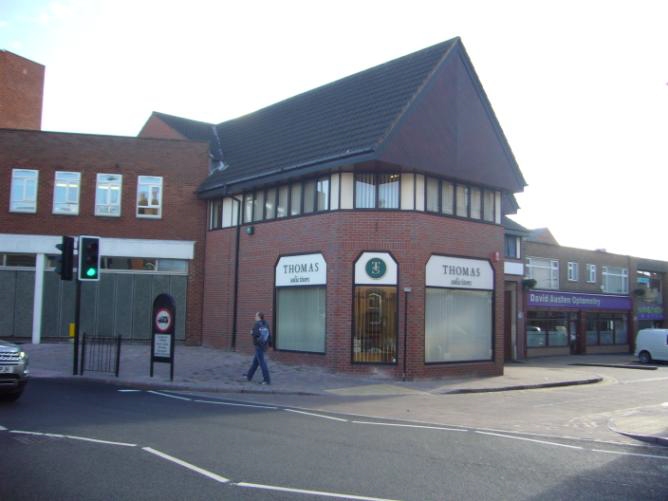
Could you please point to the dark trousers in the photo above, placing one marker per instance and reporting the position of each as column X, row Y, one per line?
column 258, row 359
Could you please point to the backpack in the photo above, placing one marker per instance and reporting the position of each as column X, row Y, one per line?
column 263, row 338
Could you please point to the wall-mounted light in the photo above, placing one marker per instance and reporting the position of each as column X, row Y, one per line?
column 249, row 230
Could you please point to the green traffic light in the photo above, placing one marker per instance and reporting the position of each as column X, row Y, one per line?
column 91, row 272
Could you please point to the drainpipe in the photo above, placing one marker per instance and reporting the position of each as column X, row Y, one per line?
column 236, row 277
column 406, row 291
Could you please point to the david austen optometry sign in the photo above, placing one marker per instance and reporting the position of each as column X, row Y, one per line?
column 302, row 270
column 581, row 301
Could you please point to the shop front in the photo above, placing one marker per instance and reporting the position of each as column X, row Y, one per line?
column 561, row 323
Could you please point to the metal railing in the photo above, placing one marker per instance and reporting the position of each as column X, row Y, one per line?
column 100, row 354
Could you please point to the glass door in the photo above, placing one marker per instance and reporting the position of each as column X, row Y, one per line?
column 375, row 338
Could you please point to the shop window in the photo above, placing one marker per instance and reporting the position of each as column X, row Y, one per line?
column 379, row 191
column 547, row 329
column 591, row 273
column 544, row 271
column 615, row 280
column 462, row 201
column 149, row 196
column 300, row 319
column 108, row 195
column 605, row 329
column 375, row 335
column 573, row 272
column 18, row 260
column 66, row 193
column 458, row 325
column 136, row 264
column 447, row 198
column 476, row 202
column 24, row 191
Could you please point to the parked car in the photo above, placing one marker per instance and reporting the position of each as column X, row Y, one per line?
column 652, row 344
column 13, row 370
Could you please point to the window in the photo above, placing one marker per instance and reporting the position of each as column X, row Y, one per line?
column 488, row 206
column 606, row 329
column 432, row 194
column 66, row 193
column 18, row 260
column 476, row 202
column 300, row 318
column 108, row 195
column 309, row 196
column 248, row 208
column 546, row 328
column 270, row 204
column 149, row 196
column 296, row 199
column 591, row 273
column 512, row 247
column 322, row 194
column 215, row 214
column 447, row 198
column 462, row 201
column 155, row 265
column 650, row 284
column 573, row 272
column 377, row 191
column 615, row 280
column 458, row 325
column 24, row 191
column 375, row 335
column 258, row 206
column 544, row 271
column 282, row 204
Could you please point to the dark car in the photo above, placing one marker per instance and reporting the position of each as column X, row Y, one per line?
column 13, row 370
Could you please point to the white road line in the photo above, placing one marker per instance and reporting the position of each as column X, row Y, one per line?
column 235, row 404
column 530, row 440
column 411, row 426
column 317, row 415
column 312, row 493
column 169, row 396
column 665, row 458
column 129, row 391
column 22, row 432
column 185, row 464
column 97, row 441
column 2, row 428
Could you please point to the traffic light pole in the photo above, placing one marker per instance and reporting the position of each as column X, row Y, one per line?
column 77, row 318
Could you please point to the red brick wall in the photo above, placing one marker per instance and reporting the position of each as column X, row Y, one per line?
column 341, row 237
column 21, row 92
column 182, row 164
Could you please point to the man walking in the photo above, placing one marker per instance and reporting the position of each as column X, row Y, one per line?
column 261, row 339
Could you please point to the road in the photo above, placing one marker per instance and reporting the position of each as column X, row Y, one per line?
column 83, row 440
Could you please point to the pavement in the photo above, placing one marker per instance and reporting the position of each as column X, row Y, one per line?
column 203, row 369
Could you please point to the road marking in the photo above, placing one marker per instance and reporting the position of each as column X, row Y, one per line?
column 529, row 440
column 234, row 404
column 621, row 453
column 97, row 441
column 22, row 432
column 129, row 391
column 305, row 491
column 169, row 396
column 410, row 426
column 185, row 464
column 2, row 428
column 317, row 415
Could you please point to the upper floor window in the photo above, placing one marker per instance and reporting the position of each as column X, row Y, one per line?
column 24, row 191
column 462, row 200
column 149, row 196
column 476, row 203
column 489, row 206
column 544, row 271
column 615, row 280
column 108, row 195
column 591, row 273
column 512, row 247
column 377, row 191
column 66, row 193
column 573, row 272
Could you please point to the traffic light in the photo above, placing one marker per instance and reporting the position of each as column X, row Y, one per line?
column 65, row 261
column 89, row 259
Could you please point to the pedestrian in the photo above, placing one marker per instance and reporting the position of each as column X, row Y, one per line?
column 261, row 339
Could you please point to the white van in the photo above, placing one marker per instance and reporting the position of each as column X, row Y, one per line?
column 652, row 344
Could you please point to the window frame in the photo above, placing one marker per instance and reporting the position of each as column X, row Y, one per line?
column 591, row 273
column 70, row 179
column 108, row 186
column 150, row 185
column 623, row 275
column 375, row 176
column 573, row 273
column 553, row 268
column 16, row 177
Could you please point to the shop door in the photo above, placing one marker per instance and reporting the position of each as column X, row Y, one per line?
column 375, row 338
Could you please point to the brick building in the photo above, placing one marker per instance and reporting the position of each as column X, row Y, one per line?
column 138, row 195
column 364, row 218
column 21, row 92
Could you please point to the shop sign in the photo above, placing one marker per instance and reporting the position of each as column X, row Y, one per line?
column 302, row 270
column 376, row 268
column 650, row 312
column 577, row 300
column 459, row 273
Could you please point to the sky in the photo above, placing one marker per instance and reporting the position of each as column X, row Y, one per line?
column 580, row 88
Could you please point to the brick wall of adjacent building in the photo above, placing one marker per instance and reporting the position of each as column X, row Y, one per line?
column 21, row 92
column 341, row 237
column 182, row 165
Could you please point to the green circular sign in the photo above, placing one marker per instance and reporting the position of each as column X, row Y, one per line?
column 376, row 267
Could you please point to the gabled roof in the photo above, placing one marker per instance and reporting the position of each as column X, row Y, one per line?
column 542, row 236
column 368, row 116
column 514, row 228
